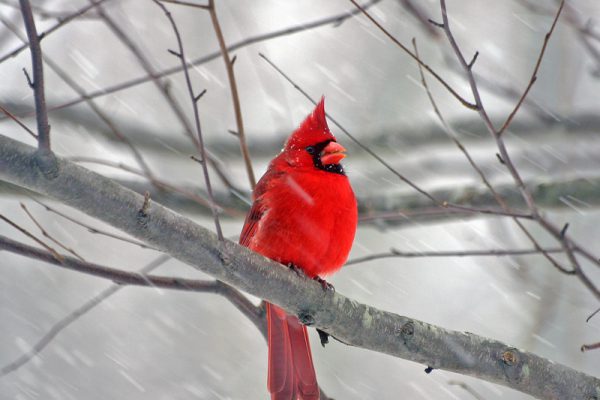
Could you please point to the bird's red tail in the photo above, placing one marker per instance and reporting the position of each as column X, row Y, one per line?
column 291, row 371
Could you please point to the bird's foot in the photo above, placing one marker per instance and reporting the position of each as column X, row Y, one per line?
column 323, row 336
column 324, row 284
column 299, row 271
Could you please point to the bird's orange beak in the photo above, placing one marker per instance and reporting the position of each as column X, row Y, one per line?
column 333, row 153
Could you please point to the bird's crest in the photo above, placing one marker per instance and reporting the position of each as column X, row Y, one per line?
column 312, row 131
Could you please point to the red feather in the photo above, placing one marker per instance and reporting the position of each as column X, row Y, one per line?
column 304, row 213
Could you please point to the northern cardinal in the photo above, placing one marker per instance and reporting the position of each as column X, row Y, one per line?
column 304, row 215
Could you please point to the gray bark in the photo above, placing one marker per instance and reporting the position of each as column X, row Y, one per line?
column 351, row 322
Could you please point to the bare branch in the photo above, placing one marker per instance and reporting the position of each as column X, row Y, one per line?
column 414, row 56
column 59, row 24
column 194, row 196
column 587, row 347
column 42, row 12
column 104, row 117
column 122, row 277
column 188, row 81
column 349, row 321
column 393, row 253
column 499, row 199
column 439, row 203
column 592, row 315
column 25, row 232
column 335, row 19
column 186, row 3
column 46, row 234
column 18, row 121
column 38, row 77
column 535, row 71
column 420, row 15
column 241, row 135
column 92, row 229
column 59, row 326
column 567, row 244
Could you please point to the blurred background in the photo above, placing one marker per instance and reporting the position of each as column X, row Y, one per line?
column 144, row 343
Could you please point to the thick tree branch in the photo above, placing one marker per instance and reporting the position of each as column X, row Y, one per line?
column 580, row 194
column 351, row 322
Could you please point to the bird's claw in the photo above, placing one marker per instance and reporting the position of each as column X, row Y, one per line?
column 323, row 336
column 296, row 269
column 324, row 284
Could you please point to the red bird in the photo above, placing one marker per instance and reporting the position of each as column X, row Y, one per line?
column 304, row 215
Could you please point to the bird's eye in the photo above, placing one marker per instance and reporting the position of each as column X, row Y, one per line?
column 311, row 150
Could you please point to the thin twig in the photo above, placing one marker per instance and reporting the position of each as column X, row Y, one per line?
column 587, row 347
column 450, row 132
column 195, row 197
column 436, row 212
column 393, row 253
column 421, row 15
column 442, row 204
column 535, row 71
column 466, row 103
column 164, row 89
column 186, row 3
column 92, row 229
column 241, row 135
column 181, row 55
column 592, row 315
column 59, row 24
column 38, row 77
column 119, row 276
column 30, row 235
column 352, row 137
column 42, row 12
column 566, row 243
column 46, row 234
column 112, row 126
column 350, row 321
column 18, row 121
column 335, row 20
column 59, row 326
column 123, row 277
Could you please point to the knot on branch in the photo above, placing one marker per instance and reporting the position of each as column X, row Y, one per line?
column 407, row 332
column 142, row 214
column 306, row 318
column 223, row 254
column 46, row 162
column 512, row 364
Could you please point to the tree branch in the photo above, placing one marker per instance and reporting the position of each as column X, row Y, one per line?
column 334, row 19
column 351, row 322
column 454, row 93
column 235, row 98
column 394, row 253
column 569, row 246
column 38, row 77
column 184, row 64
column 73, row 316
column 59, row 24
